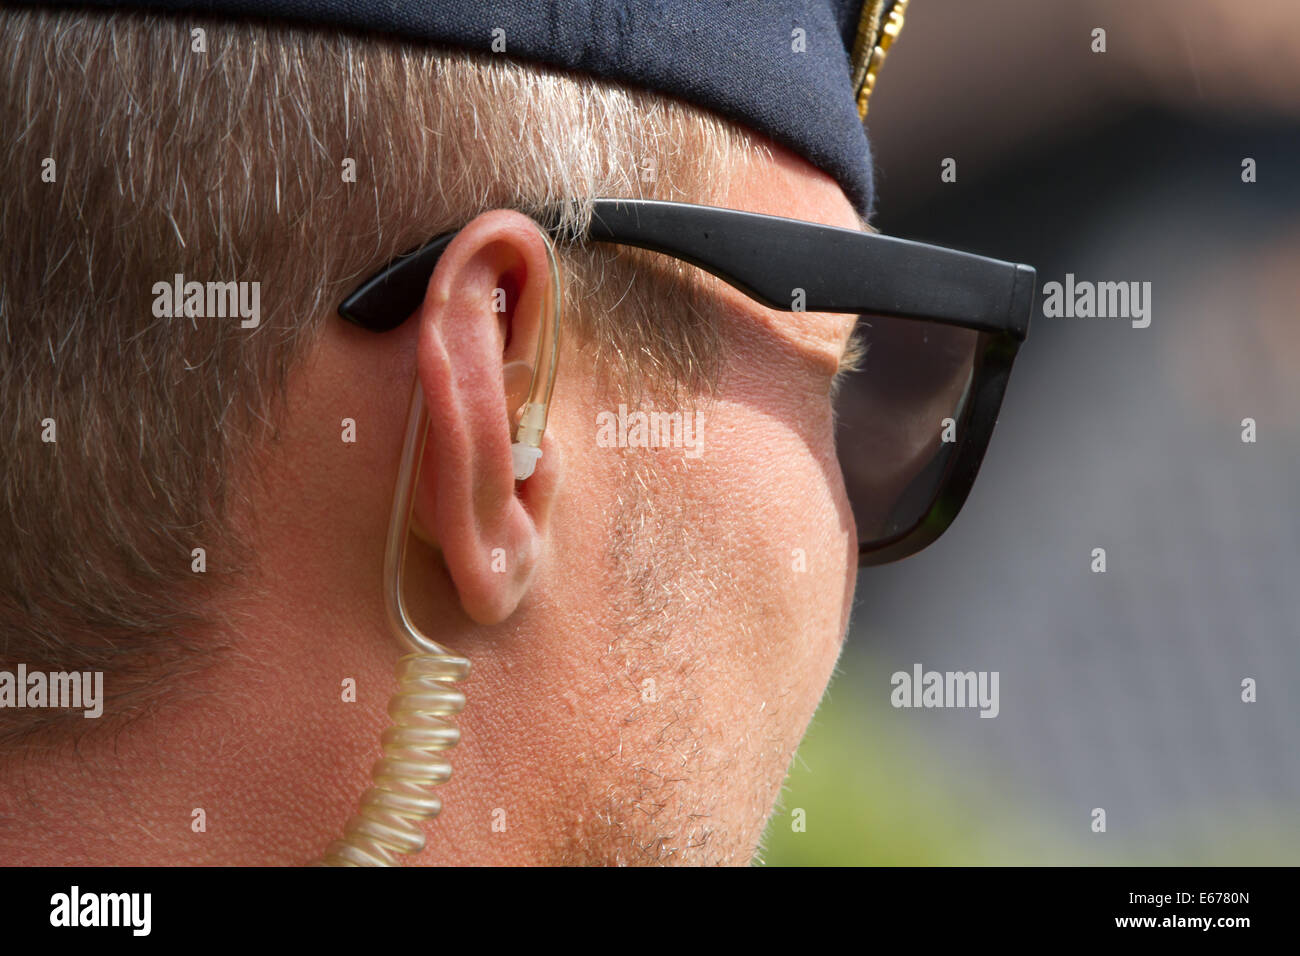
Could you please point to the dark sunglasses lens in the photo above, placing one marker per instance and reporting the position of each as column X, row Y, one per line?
column 900, row 421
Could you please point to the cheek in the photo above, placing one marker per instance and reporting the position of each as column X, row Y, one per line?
column 730, row 590
column 784, row 531
column 796, row 547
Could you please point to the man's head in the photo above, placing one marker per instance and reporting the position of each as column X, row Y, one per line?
column 651, row 628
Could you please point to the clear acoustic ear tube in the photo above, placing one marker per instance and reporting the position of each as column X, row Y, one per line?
column 388, row 820
column 527, row 447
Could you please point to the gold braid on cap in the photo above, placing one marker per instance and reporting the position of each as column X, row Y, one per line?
column 876, row 33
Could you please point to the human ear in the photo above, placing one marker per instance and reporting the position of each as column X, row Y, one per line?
column 479, row 326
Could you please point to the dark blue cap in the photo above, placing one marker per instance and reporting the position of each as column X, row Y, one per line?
column 799, row 71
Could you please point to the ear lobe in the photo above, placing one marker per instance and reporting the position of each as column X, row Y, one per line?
column 491, row 532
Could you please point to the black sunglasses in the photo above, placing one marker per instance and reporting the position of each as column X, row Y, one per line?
column 940, row 330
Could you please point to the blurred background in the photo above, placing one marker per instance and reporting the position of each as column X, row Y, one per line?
column 1120, row 690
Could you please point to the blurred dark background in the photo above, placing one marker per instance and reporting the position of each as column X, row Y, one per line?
column 1119, row 690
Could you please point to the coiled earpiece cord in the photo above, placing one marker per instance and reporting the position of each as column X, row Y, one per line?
column 388, row 821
